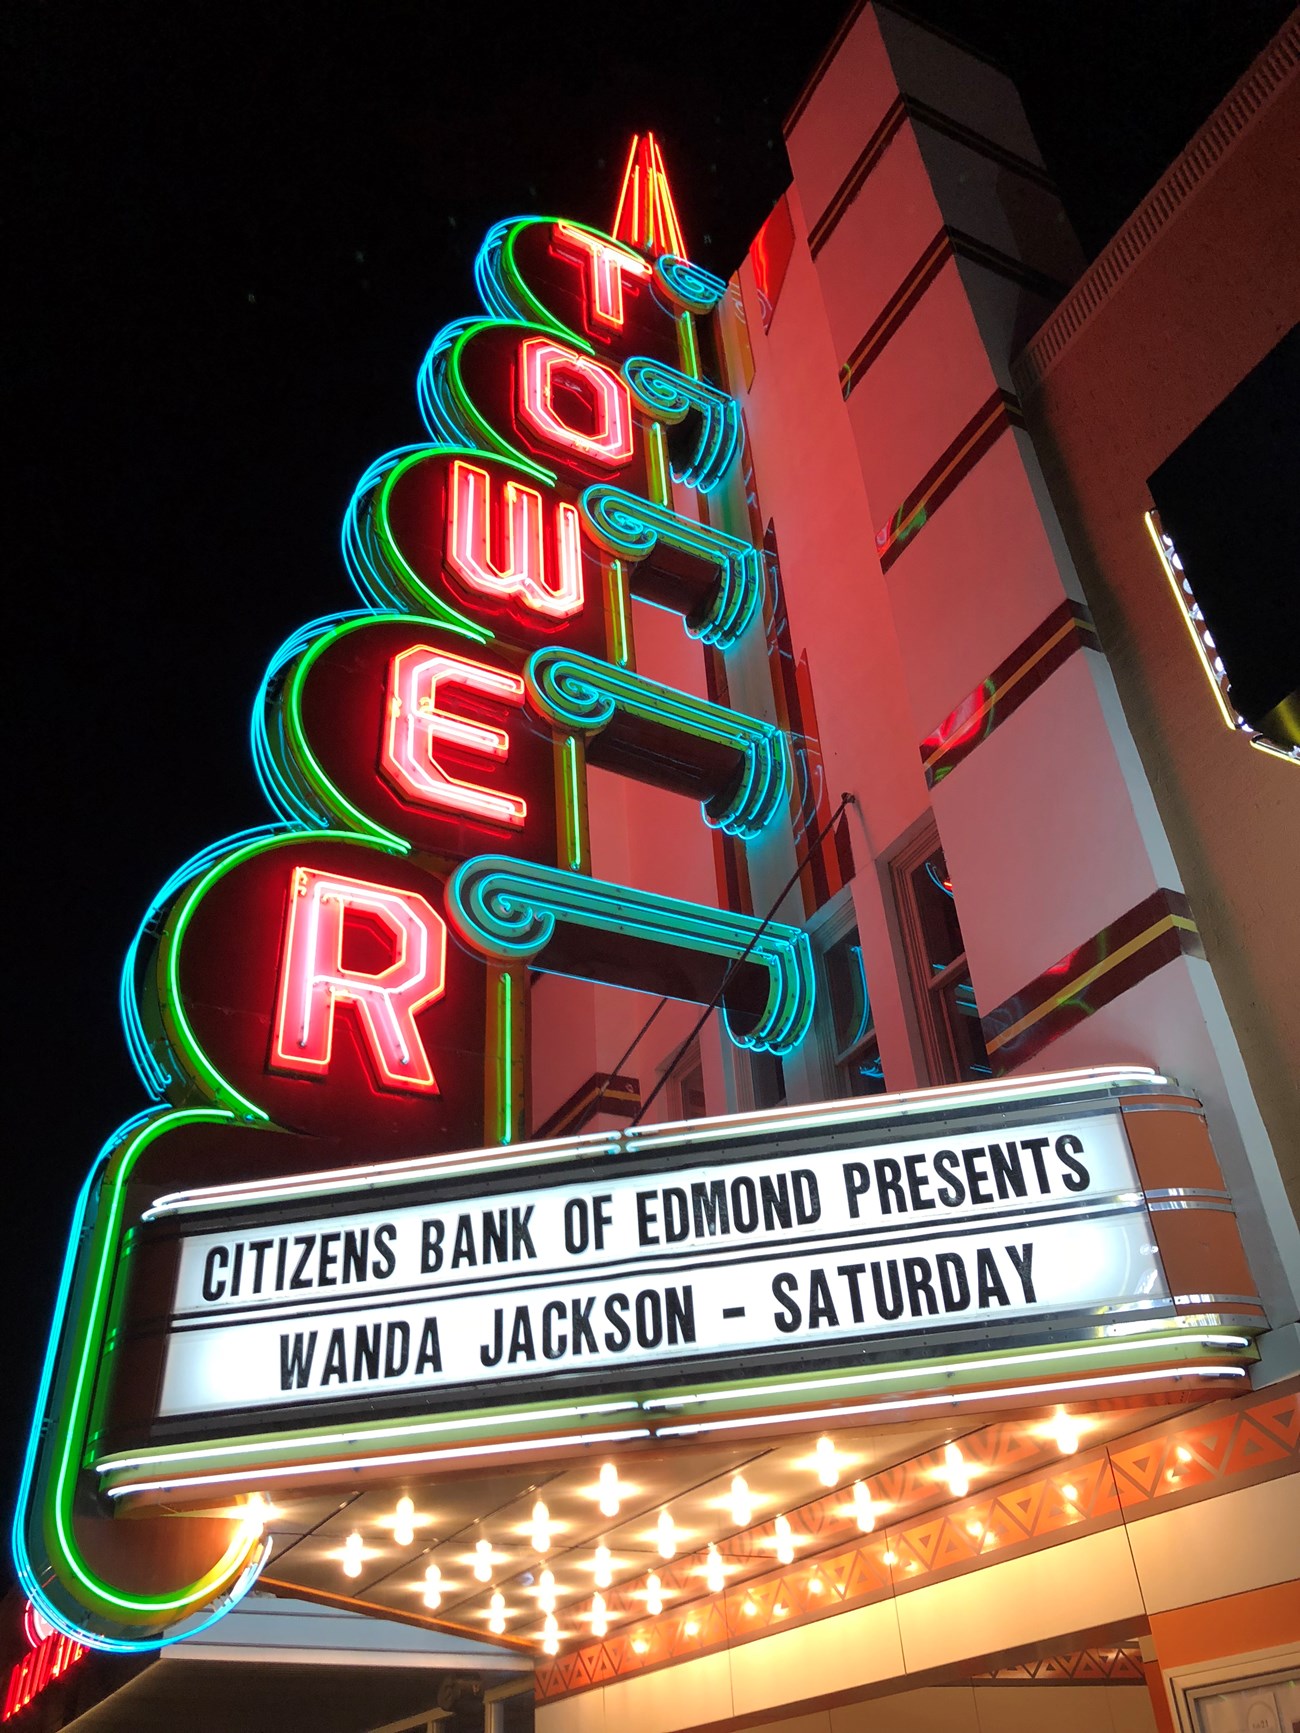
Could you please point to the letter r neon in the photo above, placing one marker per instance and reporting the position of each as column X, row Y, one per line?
column 314, row 980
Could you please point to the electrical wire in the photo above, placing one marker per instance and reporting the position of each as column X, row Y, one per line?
column 716, row 1000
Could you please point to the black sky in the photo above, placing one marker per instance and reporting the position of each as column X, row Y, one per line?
column 238, row 228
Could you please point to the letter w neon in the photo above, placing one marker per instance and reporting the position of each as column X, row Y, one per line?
column 522, row 575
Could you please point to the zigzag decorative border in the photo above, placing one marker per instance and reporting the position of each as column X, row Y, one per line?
column 1181, row 1461
column 1000, row 694
column 1134, row 945
column 1118, row 1666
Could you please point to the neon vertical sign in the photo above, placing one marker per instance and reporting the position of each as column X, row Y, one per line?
column 49, row 1656
column 610, row 266
column 301, row 978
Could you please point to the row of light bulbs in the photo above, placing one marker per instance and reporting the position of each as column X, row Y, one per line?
column 955, row 1472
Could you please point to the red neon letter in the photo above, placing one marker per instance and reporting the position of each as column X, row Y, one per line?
column 523, row 575
column 417, row 720
column 544, row 364
column 607, row 265
column 314, row 979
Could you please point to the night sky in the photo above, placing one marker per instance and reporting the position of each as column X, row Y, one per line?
column 240, row 227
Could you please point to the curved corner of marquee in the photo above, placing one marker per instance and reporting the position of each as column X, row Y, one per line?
column 96, row 1624
column 53, row 1511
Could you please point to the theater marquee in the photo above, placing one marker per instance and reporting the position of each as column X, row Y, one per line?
column 763, row 1253
column 973, row 1245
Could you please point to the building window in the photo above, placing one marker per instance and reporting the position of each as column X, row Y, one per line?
column 767, row 1080
column 855, row 1053
column 936, row 960
column 686, row 1085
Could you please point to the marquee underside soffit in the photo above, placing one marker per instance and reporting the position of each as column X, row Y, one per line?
column 1012, row 1460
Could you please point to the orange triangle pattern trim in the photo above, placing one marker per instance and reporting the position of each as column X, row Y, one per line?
column 1091, row 1490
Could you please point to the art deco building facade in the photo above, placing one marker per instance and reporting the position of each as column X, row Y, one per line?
column 1042, row 823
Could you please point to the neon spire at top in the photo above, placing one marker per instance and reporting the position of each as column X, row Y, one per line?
column 647, row 217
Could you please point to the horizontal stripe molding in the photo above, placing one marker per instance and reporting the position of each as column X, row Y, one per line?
column 603, row 1092
column 1152, row 933
column 902, row 108
column 1066, row 629
column 837, row 42
column 989, row 422
column 947, row 244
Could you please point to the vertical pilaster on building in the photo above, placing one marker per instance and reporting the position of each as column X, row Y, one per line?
column 927, row 243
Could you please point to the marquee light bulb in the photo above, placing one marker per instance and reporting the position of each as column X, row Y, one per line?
column 550, row 1636
column 1066, row 1433
column 599, row 1616
column 654, row 1594
column 604, row 1567
column 541, row 1527
column 353, row 1555
column 827, row 1461
column 433, row 1588
column 546, row 1591
column 714, row 1575
column 256, row 1514
column 863, row 1508
column 608, row 1489
column 497, row 1623
column 404, row 1522
column 667, row 1535
column 956, row 1470
column 483, row 1561
column 784, row 1541
column 742, row 1505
